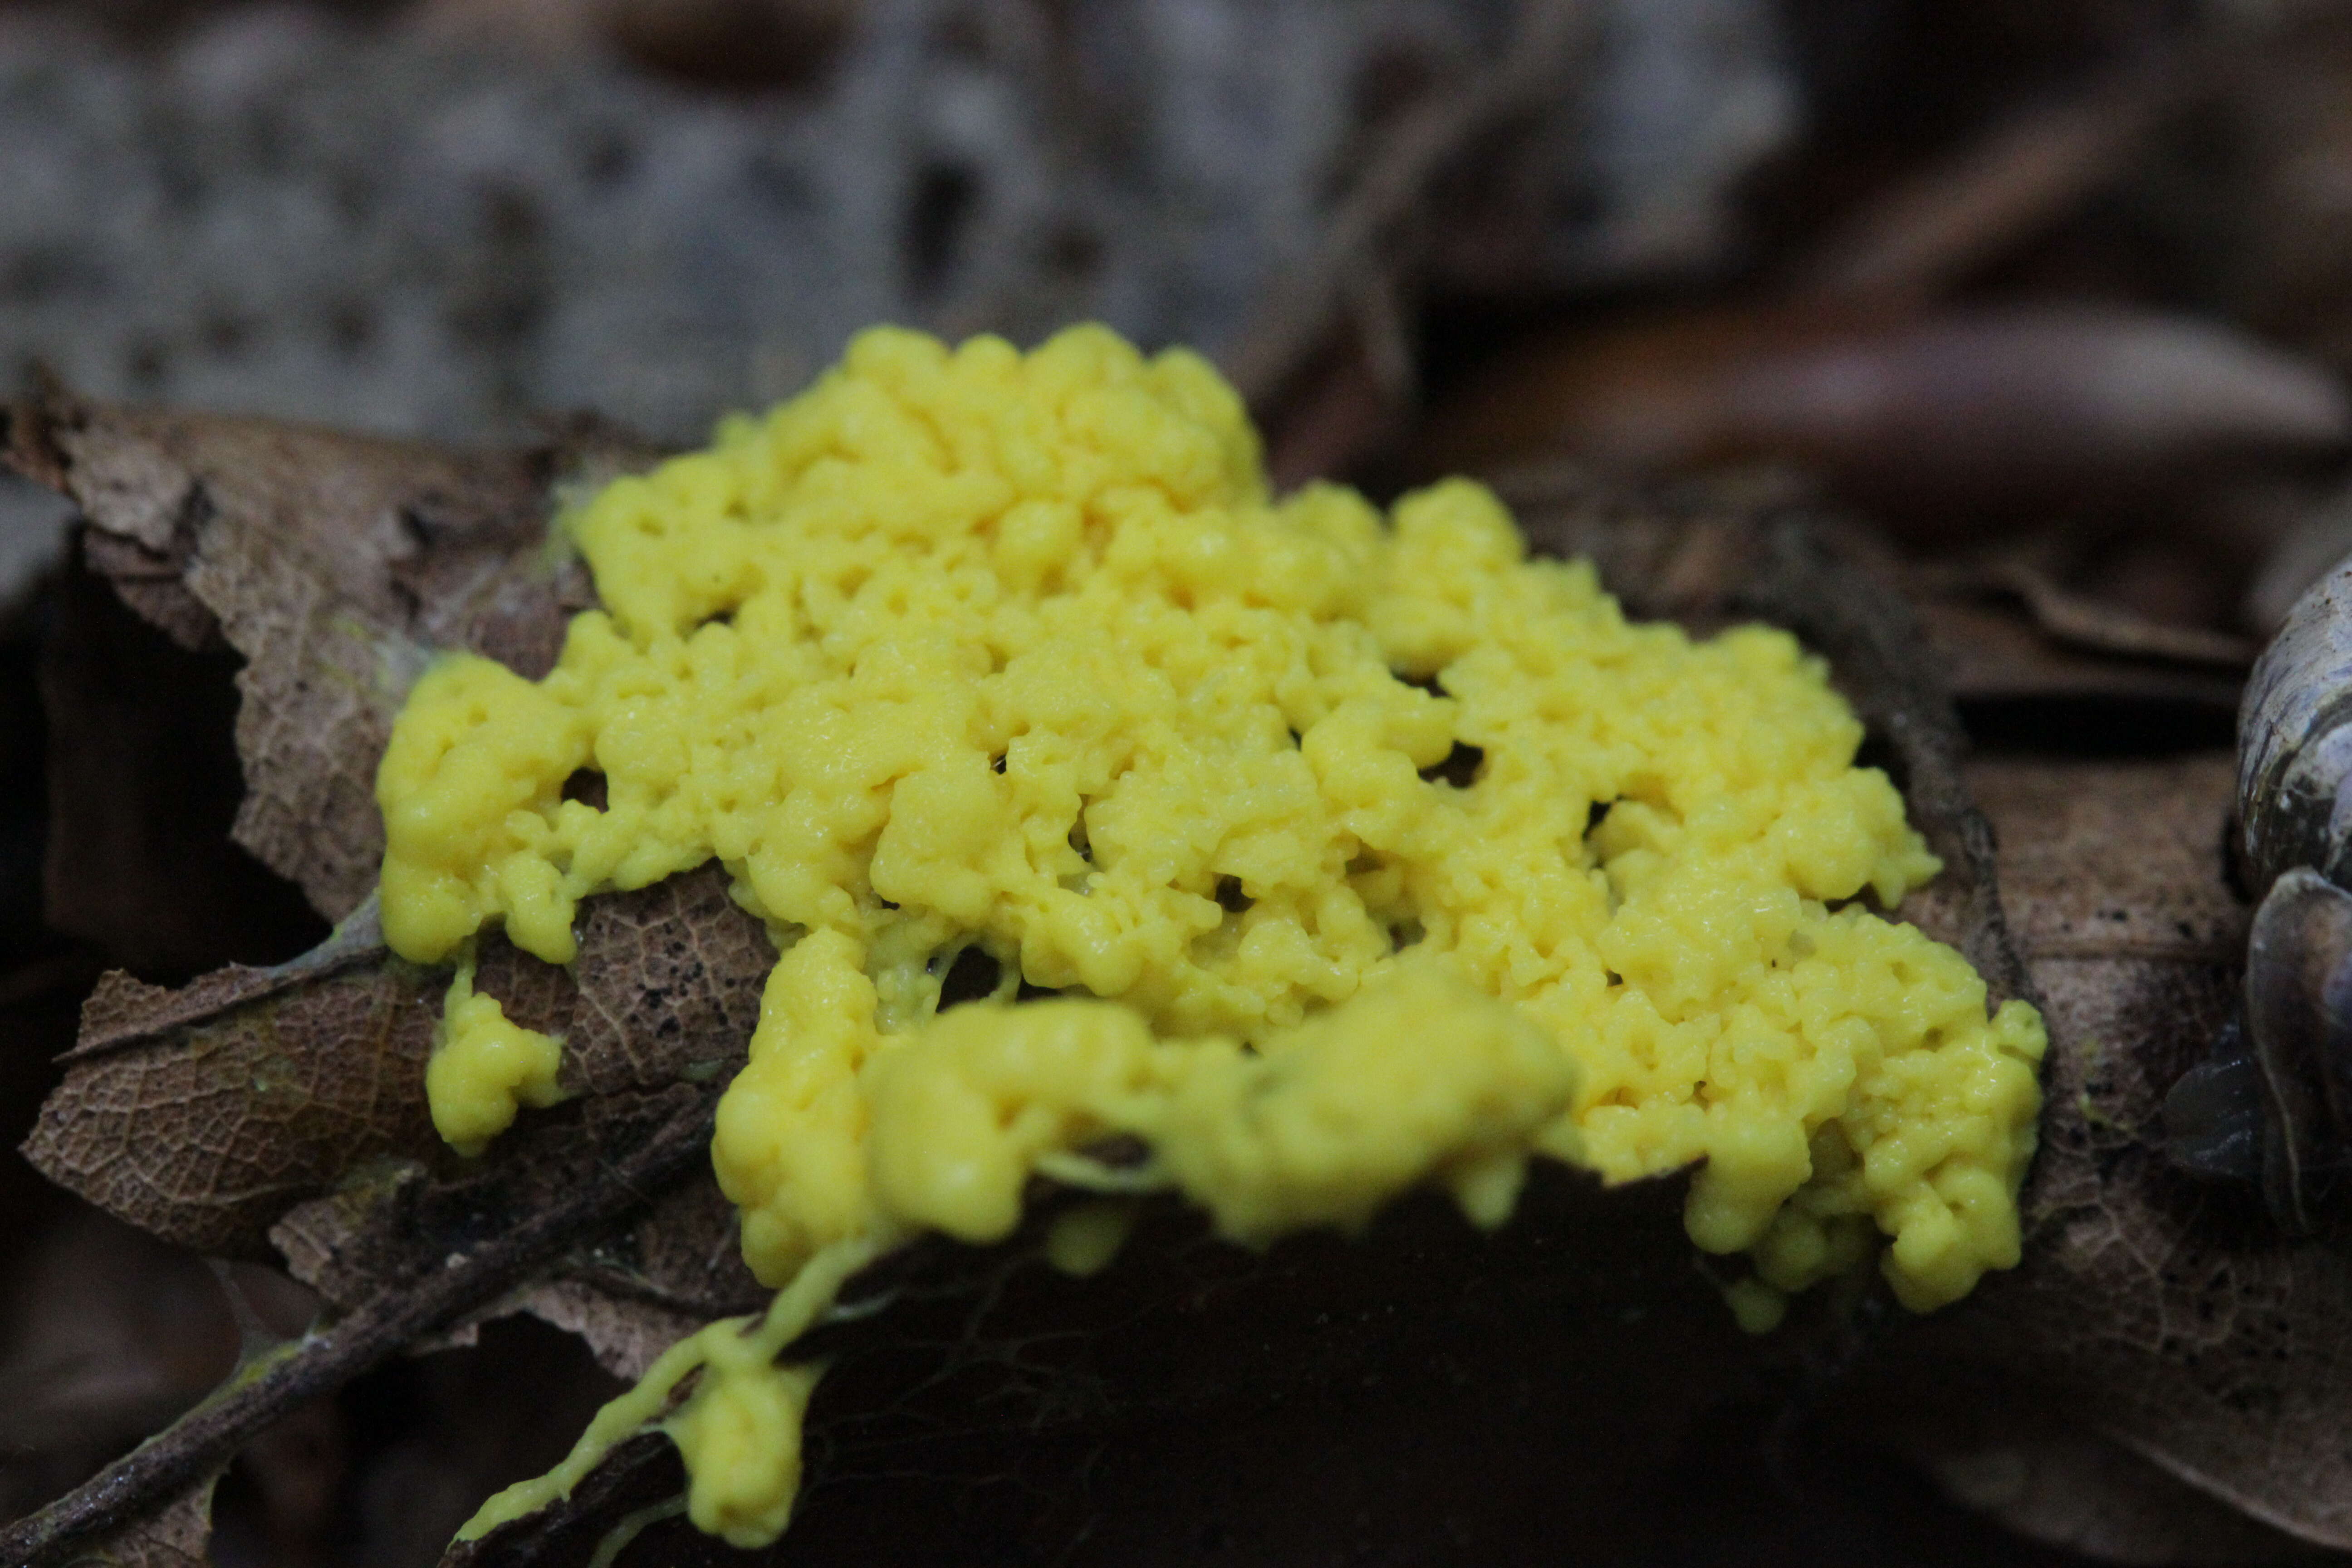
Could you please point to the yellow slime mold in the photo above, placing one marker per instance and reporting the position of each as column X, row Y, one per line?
column 1368, row 853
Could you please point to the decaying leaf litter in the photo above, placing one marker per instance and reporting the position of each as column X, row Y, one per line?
column 2085, row 619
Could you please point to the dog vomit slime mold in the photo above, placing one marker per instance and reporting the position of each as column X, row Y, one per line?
column 1364, row 853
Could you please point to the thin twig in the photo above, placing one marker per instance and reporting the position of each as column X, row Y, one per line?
column 323, row 1361
column 1300, row 314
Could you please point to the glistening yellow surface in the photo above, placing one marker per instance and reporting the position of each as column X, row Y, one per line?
column 1366, row 851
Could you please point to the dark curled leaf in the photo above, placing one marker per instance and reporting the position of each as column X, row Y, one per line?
column 203, row 1114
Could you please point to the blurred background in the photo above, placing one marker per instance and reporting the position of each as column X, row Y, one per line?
column 2053, row 297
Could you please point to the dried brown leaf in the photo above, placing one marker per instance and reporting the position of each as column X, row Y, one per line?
column 2165, row 1312
column 629, row 1294
column 683, row 1255
column 205, row 1113
column 635, row 1294
column 1675, row 552
column 204, row 1130
column 335, row 565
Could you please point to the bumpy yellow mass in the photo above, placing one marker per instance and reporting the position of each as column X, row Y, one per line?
column 486, row 1068
column 1367, row 853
